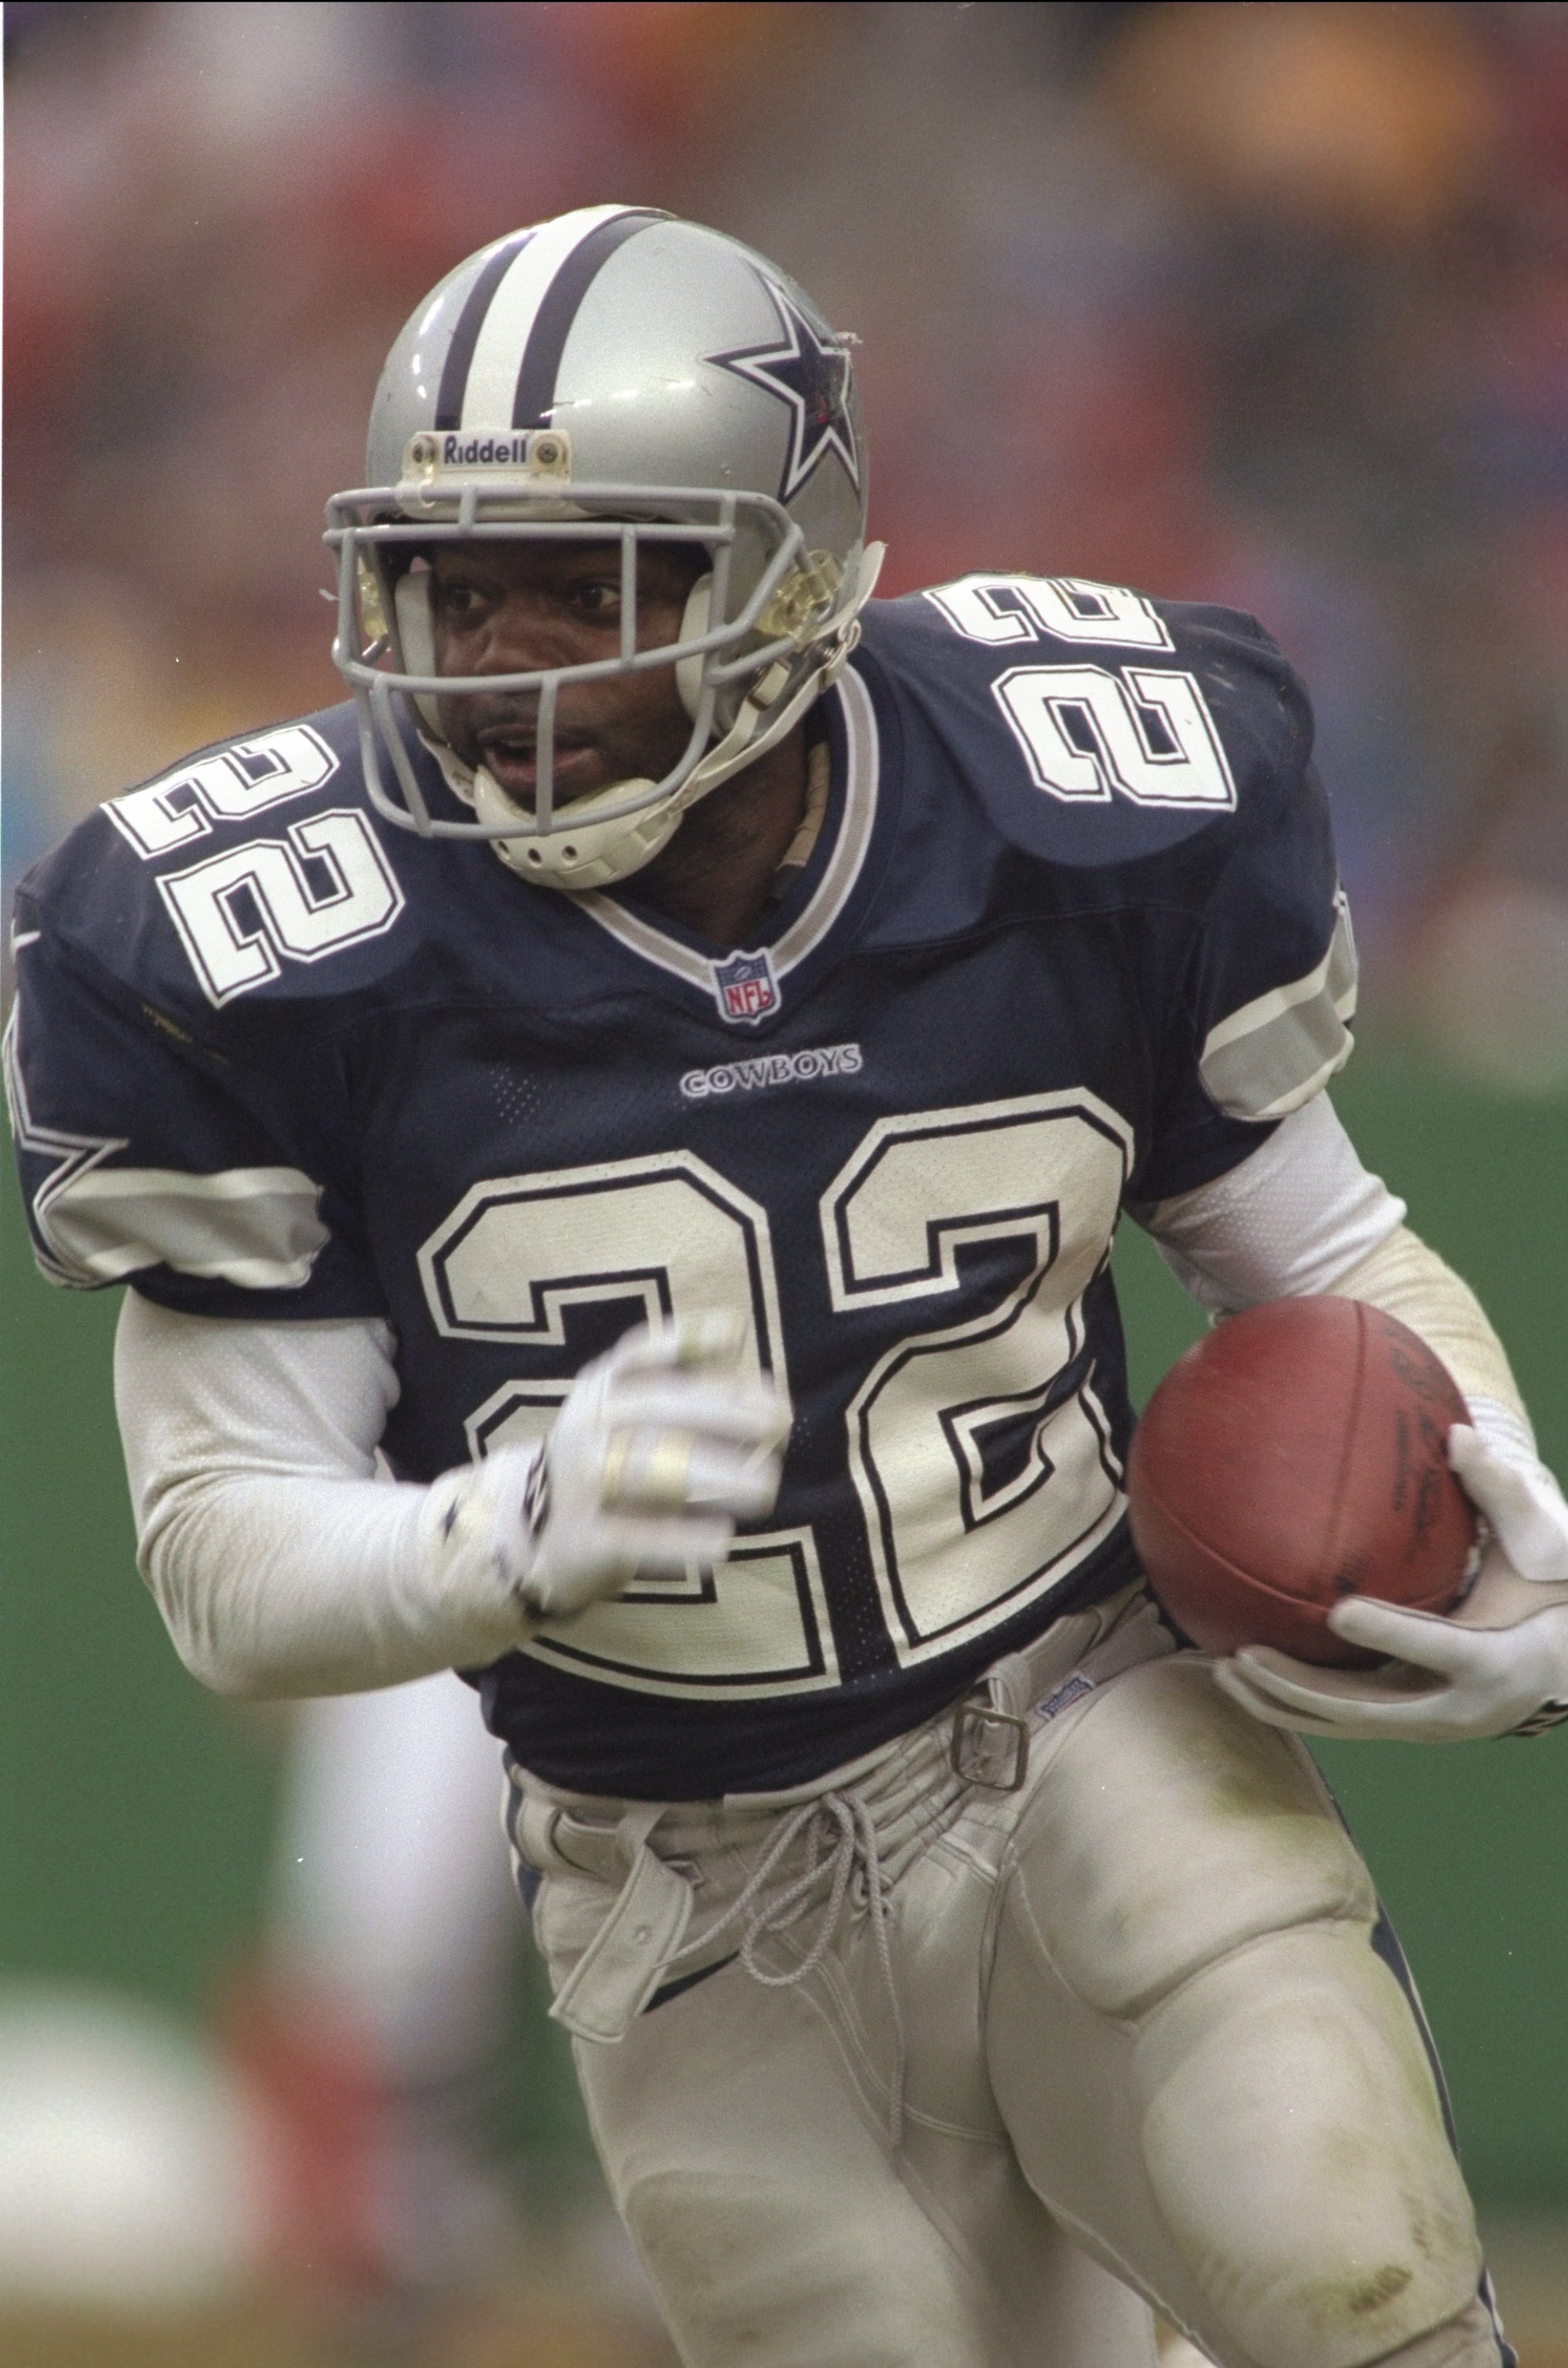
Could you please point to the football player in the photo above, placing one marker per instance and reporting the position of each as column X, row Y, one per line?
column 664, row 1064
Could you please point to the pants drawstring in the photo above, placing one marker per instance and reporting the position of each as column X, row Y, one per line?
column 854, row 1836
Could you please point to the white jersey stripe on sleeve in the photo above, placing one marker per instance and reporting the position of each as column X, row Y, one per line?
column 1272, row 1055
column 258, row 1228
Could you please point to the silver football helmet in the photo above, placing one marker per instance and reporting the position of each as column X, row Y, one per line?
column 614, row 375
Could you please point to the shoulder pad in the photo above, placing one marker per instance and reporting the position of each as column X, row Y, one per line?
column 1096, row 725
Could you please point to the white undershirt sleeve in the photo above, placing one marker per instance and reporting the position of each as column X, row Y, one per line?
column 1303, row 1215
column 1288, row 1221
column 282, row 1565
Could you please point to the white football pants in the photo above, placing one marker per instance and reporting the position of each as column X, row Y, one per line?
column 1127, row 2019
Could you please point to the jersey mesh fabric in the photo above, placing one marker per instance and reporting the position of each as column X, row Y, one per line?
column 1072, row 837
column 282, row 1567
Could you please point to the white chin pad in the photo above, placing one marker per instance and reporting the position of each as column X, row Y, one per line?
column 694, row 622
column 417, row 637
column 580, row 853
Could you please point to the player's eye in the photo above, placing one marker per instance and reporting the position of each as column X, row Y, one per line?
column 597, row 596
column 459, row 597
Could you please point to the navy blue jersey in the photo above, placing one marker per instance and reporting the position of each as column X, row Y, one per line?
column 1069, row 938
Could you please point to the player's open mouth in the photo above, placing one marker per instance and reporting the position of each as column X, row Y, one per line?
column 512, row 761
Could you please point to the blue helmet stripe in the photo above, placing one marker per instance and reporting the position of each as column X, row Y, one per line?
column 465, row 336
column 552, row 322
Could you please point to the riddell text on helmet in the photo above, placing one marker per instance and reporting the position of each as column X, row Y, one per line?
column 474, row 451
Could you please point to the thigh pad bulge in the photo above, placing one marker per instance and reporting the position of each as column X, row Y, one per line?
column 1167, row 1829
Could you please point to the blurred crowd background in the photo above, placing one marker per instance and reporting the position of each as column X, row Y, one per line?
column 1263, row 304
column 1266, row 305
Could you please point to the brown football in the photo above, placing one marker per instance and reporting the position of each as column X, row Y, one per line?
column 1297, row 1455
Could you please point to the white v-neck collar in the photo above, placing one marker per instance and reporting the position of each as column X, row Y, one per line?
column 827, row 899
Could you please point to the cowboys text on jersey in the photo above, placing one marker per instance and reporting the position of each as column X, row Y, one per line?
column 1069, row 937
column 956, row 1965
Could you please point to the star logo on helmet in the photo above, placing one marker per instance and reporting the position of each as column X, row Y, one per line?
column 810, row 374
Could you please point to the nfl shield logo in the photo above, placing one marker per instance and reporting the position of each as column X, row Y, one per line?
column 746, row 987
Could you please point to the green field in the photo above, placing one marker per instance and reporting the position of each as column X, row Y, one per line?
column 133, row 1842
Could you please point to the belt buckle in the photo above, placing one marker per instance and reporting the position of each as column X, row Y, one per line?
column 990, row 1747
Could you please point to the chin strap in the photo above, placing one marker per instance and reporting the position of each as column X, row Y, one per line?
column 582, row 854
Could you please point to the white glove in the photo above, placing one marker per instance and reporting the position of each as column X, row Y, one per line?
column 659, row 1449
column 1501, row 1659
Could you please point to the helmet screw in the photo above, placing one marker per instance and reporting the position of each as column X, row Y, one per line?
column 550, row 453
